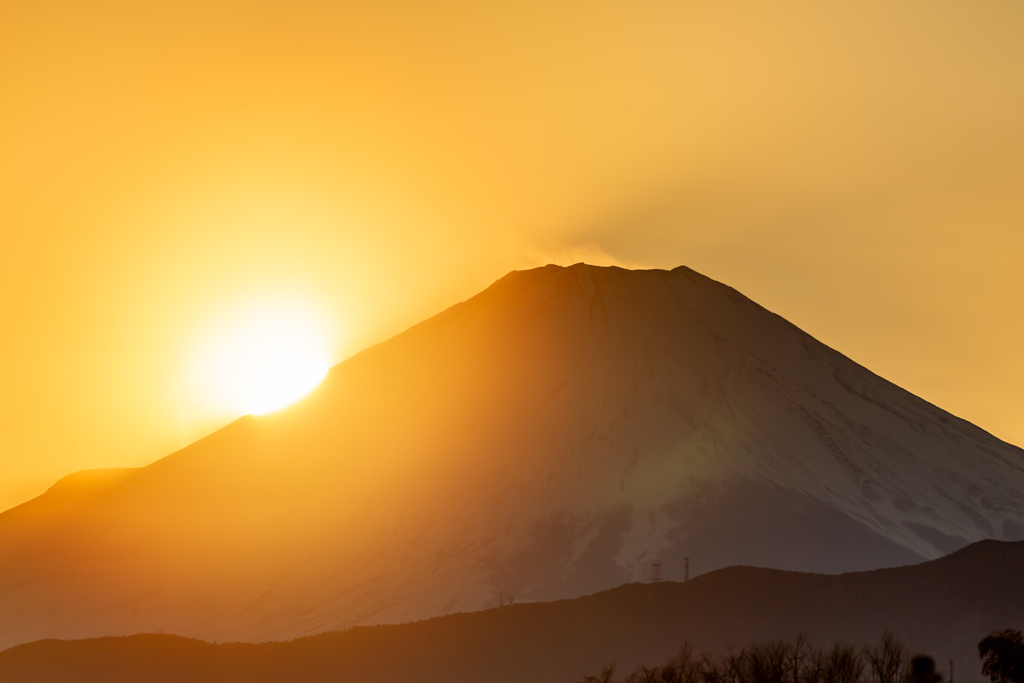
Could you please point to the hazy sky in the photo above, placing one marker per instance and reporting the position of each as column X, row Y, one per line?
column 176, row 176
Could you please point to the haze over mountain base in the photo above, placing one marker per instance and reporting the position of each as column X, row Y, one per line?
column 943, row 607
column 551, row 437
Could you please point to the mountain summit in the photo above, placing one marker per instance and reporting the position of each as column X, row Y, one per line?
column 553, row 436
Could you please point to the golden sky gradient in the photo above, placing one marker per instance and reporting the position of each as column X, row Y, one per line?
column 173, row 173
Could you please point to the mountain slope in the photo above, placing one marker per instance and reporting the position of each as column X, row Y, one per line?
column 943, row 607
column 547, row 438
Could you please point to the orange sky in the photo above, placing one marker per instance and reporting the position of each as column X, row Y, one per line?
column 168, row 171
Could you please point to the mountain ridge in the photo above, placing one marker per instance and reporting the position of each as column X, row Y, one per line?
column 933, row 607
column 549, row 437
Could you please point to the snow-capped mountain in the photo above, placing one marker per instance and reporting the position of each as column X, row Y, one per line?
column 553, row 436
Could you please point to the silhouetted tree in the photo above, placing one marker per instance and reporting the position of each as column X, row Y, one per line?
column 814, row 666
column 1002, row 656
column 887, row 661
column 798, row 656
column 683, row 668
column 709, row 671
column 766, row 663
column 922, row 670
column 843, row 665
column 605, row 677
column 733, row 668
column 781, row 662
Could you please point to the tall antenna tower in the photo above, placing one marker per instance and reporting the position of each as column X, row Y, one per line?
column 655, row 572
column 686, row 569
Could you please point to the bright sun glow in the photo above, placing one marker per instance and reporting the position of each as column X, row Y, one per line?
column 261, row 359
column 281, row 379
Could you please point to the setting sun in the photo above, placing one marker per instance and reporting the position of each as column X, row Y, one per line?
column 281, row 379
column 260, row 358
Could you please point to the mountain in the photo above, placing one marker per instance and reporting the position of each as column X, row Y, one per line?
column 551, row 437
column 943, row 607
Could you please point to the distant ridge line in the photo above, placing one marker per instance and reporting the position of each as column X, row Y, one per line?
column 943, row 607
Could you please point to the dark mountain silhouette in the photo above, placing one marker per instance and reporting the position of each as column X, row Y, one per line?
column 943, row 607
column 548, row 438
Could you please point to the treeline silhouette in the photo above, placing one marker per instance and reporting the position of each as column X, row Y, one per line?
column 943, row 607
column 1002, row 656
column 799, row 661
